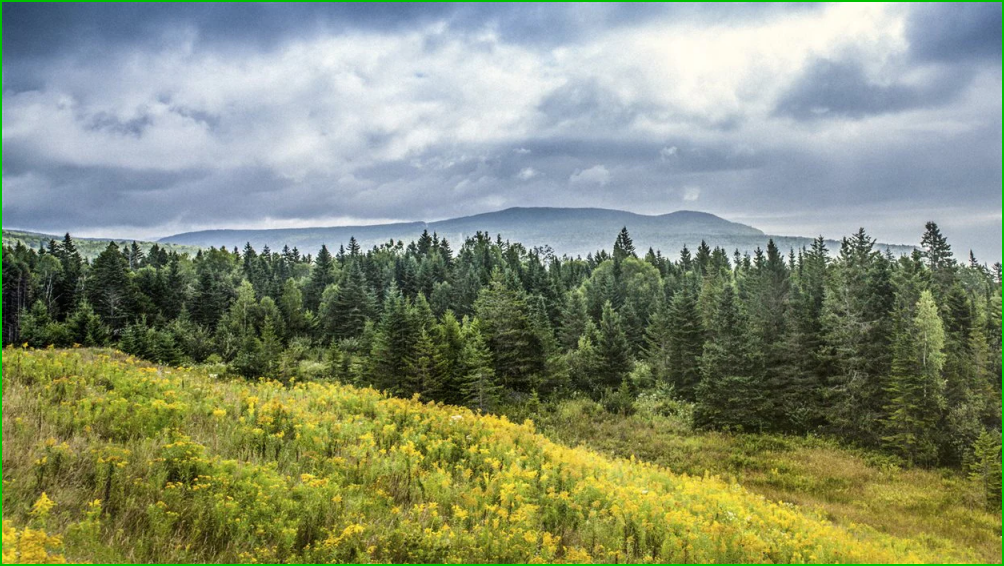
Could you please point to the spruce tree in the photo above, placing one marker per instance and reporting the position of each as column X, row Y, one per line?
column 423, row 369
column 87, row 328
column 659, row 344
column 624, row 246
column 69, row 288
column 573, row 321
column 448, row 335
column 346, row 307
column 393, row 342
column 916, row 387
column 728, row 396
column 517, row 348
column 321, row 276
column 985, row 467
column 110, row 288
column 613, row 350
column 479, row 388
column 857, row 334
column 938, row 254
column 686, row 342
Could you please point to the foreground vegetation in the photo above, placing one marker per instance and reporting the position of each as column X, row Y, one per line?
column 896, row 354
column 129, row 462
column 844, row 485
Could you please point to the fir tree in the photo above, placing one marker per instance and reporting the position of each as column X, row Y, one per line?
column 573, row 321
column 87, row 328
column 624, row 246
column 686, row 342
column 346, row 307
column 479, row 387
column 985, row 467
column 110, row 288
column 728, row 397
column 321, row 276
column 393, row 342
column 517, row 348
column 659, row 344
column 448, row 336
column 423, row 369
column 612, row 349
column 916, row 387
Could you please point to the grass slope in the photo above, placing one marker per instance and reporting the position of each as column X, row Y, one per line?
column 847, row 487
column 139, row 463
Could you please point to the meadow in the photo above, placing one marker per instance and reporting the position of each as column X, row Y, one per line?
column 837, row 482
column 106, row 458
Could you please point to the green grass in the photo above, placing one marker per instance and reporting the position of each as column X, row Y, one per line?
column 149, row 464
column 843, row 485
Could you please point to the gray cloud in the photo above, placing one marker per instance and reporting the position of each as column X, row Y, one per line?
column 152, row 119
column 841, row 89
column 955, row 32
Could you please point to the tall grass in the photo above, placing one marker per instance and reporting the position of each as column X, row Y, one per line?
column 152, row 464
column 943, row 508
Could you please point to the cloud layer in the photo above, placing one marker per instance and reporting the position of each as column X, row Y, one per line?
column 147, row 120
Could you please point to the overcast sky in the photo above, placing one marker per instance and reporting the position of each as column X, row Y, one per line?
column 143, row 121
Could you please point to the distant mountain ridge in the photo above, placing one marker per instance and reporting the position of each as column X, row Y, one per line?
column 568, row 231
column 89, row 248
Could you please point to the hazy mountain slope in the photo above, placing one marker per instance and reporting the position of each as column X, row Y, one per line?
column 568, row 231
column 88, row 247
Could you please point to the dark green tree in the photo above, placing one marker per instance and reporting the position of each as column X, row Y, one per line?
column 506, row 322
column 612, row 350
column 321, row 276
column 479, row 387
column 728, row 397
column 110, row 288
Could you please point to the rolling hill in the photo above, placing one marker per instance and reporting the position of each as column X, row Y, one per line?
column 108, row 459
column 89, row 248
column 568, row 231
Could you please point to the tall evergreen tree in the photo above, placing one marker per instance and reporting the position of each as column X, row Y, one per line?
column 938, row 254
column 573, row 321
column 686, row 342
column 393, row 342
column 728, row 397
column 69, row 288
column 612, row 349
column 624, row 246
column 479, row 388
column 346, row 307
column 110, row 288
column 916, row 387
column 517, row 348
column 659, row 344
column 321, row 276
column 857, row 337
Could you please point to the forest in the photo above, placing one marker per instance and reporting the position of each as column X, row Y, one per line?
column 899, row 354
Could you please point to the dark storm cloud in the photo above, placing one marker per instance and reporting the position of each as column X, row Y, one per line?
column 45, row 29
column 93, row 197
column 841, row 89
column 955, row 32
column 158, row 118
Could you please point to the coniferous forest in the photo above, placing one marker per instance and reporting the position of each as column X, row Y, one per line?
column 901, row 354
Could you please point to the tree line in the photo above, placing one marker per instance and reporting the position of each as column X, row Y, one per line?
column 898, row 353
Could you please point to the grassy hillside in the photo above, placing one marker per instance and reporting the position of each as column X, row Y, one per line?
column 121, row 461
column 847, row 487
column 89, row 248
